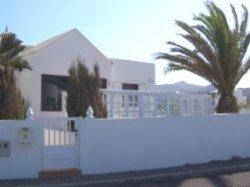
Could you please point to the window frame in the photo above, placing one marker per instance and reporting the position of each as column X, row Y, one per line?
column 43, row 107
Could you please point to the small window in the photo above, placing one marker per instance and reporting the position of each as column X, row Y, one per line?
column 126, row 86
column 5, row 145
column 103, row 83
column 4, row 148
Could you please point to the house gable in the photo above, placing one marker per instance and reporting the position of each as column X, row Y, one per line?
column 55, row 55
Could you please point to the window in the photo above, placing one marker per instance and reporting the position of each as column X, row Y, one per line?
column 126, row 86
column 1, row 98
column 52, row 88
column 133, row 101
column 103, row 83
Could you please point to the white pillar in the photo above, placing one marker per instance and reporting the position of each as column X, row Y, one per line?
column 141, row 107
column 126, row 104
column 111, row 111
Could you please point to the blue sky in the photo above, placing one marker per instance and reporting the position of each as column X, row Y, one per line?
column 128, row 29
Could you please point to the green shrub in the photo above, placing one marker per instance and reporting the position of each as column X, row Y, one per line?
column 83, row 91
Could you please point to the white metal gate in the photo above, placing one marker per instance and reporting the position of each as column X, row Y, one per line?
column 60, row 148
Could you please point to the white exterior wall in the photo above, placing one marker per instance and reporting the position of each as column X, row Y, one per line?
column 24, row 83
column 242, row 100
column 133, row 72
column 56, row 59
column 138, row 144
column 25, row 160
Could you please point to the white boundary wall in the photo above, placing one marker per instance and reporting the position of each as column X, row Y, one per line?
column 114, row 145
column 24, row 160
column 149, row 143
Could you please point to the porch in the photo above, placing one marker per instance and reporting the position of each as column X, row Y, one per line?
column 135, row 103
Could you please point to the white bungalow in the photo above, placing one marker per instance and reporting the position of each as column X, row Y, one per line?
column 44, row 87
column 127, row 86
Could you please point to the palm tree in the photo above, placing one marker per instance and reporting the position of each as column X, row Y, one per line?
column 10, row 47
column 11, row 102
column 218, row 53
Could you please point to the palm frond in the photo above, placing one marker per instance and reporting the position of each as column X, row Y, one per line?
column 236, row 21
column 10, row 47
column 217, row 52
column 243, row 25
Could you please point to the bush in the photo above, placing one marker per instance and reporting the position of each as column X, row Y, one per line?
column 83, row 91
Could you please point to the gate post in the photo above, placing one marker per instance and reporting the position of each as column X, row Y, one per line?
column 80, row 122
column 41, row 139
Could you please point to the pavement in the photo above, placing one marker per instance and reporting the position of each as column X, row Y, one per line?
column 234, row 172
column 241, row 179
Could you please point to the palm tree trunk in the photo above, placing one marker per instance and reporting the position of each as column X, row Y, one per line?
column 227, row 104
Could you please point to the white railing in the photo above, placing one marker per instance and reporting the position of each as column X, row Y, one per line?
column 127, row 103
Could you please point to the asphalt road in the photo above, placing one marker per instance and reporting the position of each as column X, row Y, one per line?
column 233, row 180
